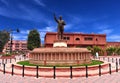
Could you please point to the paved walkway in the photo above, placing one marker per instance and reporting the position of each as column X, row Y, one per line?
column 113, row 78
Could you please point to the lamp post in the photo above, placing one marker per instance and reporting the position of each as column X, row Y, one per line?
column 11, row 39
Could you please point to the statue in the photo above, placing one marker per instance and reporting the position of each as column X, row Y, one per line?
column 60, row 27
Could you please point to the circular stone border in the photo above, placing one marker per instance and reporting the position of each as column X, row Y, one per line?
column 58, row 70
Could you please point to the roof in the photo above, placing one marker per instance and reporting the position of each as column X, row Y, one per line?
column 45, row 50
column 75, row 33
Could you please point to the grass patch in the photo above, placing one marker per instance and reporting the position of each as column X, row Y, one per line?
column 94, row 62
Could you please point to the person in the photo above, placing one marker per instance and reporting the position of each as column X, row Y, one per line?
column 60, row 28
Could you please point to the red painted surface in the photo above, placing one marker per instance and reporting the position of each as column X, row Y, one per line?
column 97, row 39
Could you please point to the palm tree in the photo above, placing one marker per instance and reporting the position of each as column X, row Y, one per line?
column 111, row 50
column 95, row 49
column 118, row 51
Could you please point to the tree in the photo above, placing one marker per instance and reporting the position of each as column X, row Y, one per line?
column 4, row 38
column 110, row 50
column 33, row 40
column 118, row 51
column 94, row 49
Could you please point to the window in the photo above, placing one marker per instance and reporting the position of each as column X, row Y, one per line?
column 96, row 39
column 77, row 39
column 66, row 38
column 88, row 38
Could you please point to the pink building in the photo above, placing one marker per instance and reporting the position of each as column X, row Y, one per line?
column 17, row 46
column 77, row 39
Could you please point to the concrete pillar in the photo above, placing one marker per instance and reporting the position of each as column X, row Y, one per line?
column 63, row 56
column 39, row 56
column 59, row 56
column 75, row 56
column 43, row 56
column 72, row 56
column 78, row 56
column 51, row 56
column 67, row 56
column 34, row 57
column 55, row 56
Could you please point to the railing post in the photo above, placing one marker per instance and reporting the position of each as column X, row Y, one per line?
column 10, row 60
column 110, row 68
column 112, row 60
column 103, row 58
column 54, row 76
column 116, row 66
column 6, row 61
column 15, row 59
column 99, row 70
column 108, row 59
column 3, row 68
column 2, row 61
column 37, row 75
column 116, row 59
column 12, row 69
column 71, row 72
column 23, row 71
column 119, row 61
column 86, row 71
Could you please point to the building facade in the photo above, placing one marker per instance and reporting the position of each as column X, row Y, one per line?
column 17, row 46
column 113, row 44
column 77, row 39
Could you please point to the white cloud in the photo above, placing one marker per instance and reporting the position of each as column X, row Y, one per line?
column 22, row 35
column 19, row 37
column 44, row 30
column 22, row 11
column 68, row 26
column 106, row 31
column 24, row 31
column 47, row 29
column 102, row 27
column 114, row 38
column 39, row 2
column 4, row 2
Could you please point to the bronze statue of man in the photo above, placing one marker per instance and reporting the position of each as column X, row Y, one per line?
column 60, row 28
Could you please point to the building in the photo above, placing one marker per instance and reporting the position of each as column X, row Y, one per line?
column 113, row 44
column 17, row 46
column 77, row 39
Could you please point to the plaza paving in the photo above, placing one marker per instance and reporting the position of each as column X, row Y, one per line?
column 107, row 78
column 113, row 78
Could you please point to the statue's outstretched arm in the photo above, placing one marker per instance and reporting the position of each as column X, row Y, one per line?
column 55, row 18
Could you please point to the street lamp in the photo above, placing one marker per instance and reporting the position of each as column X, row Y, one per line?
column 11, row 38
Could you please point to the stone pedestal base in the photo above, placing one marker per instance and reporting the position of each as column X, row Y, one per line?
column 60, row 43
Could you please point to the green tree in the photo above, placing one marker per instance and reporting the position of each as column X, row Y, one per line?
column 94, row 49
column 118, row 51
column 110, row 50
column 33, row 40
column 4, row 38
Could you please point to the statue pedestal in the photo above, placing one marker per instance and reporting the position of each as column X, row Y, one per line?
column 60, row 43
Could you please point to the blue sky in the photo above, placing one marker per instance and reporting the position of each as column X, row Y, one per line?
column 86, row 16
